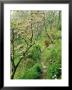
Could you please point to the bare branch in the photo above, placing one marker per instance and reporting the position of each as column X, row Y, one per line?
column 12, row 51
column 46, row 29
column 31, row 29
column 13, row 65
column 26, row 41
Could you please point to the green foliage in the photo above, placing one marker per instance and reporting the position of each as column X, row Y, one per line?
column 29, row 63
column 54, row 71
column 54, row 67
column 32, row 73
column 33, row 29
column 23, row 67
column 35, row 53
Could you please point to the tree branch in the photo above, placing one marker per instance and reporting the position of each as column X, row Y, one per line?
column 46, row 29
column 26, row 42
column 12, row 58
column 31, row 29
column 12, row 76
column 13, row 65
